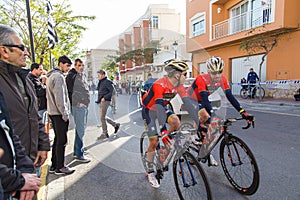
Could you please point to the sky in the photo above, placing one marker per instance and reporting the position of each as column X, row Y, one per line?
column 110, row 22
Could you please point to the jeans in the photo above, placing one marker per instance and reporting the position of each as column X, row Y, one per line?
column 60, row 128
column 103, row 110
column 41, row 112
column 80, row 119
column 44, row 115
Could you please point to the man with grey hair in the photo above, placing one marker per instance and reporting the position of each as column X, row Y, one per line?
column 19, row 94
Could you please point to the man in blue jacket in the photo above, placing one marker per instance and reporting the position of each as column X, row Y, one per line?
column 251, row 80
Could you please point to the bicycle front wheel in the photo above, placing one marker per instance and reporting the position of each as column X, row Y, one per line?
column 239, row 165
column 190, row 179
column 144, row 142
column 260, row 92
column 244, row 93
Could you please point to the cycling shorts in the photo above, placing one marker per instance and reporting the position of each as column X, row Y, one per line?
column 150, row 117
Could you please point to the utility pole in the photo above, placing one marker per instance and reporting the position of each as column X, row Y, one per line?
column 30, row 30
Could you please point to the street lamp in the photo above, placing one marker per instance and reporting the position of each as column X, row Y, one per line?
column 175, row 46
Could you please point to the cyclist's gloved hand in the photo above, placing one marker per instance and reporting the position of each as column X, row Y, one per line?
column 166, row 137
column 203, row 116
column 246, row 116
column 202, row 130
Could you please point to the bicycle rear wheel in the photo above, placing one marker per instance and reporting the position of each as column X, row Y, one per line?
column 244, row 93
column 190, row 179
column 239, row 165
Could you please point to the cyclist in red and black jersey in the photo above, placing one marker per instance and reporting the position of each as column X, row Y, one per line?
column 205, row 84
column 154, row 107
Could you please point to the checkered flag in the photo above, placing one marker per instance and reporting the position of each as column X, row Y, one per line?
column 52, row 36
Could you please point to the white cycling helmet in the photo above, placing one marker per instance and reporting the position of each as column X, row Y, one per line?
column 178, row 65
column 215, row 64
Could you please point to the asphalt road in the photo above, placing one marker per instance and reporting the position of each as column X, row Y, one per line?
column 116, row 170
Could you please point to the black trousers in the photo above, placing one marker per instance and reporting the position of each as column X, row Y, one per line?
column 60, row 128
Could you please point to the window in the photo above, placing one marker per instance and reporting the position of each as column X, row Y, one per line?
column 198, row 28
column 250, row 14
column 155, row 22
column 261, row 12
column 239, row 17
column 197, row 24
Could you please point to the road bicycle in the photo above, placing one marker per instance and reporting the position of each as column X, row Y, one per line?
column 189, row 177
column 237, row 160
column 252, row 91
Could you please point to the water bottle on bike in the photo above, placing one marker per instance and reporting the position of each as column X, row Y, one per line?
column 163, row 153
column 167, row 139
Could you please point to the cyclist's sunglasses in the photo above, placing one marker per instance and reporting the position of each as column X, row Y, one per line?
column 215, row 73
column 20, row 46
column 184, row 73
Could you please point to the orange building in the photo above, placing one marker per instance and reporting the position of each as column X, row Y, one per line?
column 219, row 27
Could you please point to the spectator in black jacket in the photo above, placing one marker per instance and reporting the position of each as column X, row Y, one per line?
column 19, row 94
column 79, row 96
column 15, row 167
column 105, row 91
column 36, row 71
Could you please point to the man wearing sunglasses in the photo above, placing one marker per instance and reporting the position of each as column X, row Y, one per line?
column 19, row 93
column 206, row 84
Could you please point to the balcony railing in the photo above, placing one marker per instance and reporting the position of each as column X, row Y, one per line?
column 242, row 22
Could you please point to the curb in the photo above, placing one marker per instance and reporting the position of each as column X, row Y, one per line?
column 42, row 194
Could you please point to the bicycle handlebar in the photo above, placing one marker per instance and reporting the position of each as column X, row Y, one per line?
column 250, row 119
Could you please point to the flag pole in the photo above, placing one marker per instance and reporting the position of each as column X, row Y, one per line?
column 50, row 57
column 30, row 30
column 52, row 36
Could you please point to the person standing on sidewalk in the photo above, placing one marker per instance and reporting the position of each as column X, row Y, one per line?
column 36, row 71
column 251, row 80
column 58, row 107
column 16, row 168
column 79, row 97
column 105, row 91
column 19, row 94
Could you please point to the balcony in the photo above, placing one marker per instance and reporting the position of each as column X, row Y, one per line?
column 242, row 22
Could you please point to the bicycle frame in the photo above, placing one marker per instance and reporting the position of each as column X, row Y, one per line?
column 223, row 132
column 177, row 150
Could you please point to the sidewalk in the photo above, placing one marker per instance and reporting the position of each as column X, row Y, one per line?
column 270, row 101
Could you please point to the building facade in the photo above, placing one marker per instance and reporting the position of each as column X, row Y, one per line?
column 221, row 27
column 150, row 41
column 94, row 59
